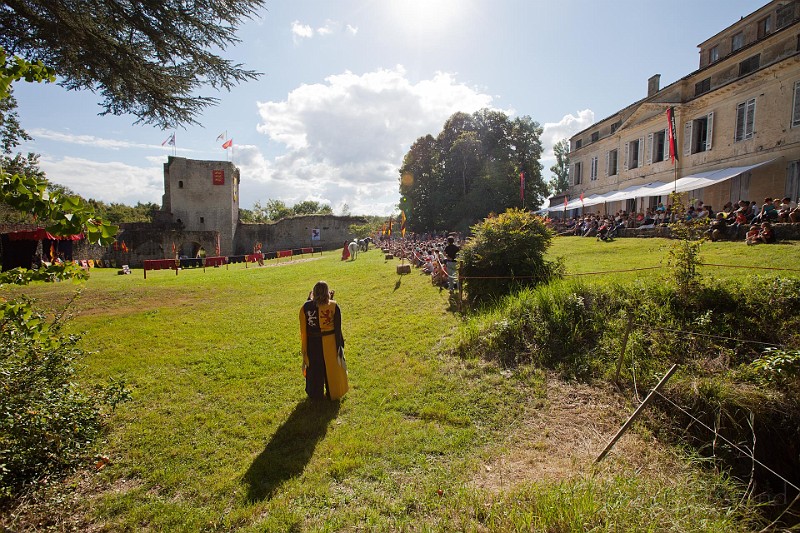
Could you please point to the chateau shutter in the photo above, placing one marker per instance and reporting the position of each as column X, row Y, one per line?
column 709, row 130
column 650, row 148
column 625, row 156
column 641, row 150
column 687, row 138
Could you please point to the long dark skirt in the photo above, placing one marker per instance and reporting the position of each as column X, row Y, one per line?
column 316, row 376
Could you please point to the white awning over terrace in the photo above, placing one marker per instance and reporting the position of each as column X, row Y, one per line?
column 658, row 188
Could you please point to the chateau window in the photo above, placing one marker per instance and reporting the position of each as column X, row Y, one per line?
column 702, row 87
column 595, row 136
column 611, row 163
column 658, row 143
column 745, row 120
column 578, row 143
column 785, row 15
column 202, row 220
column 713, row 54
column 614, row 127
column 737, row 41
column 764, row 27
column 796, row 105
column 593, row 169
column 633, row 153
column 576, row 173
column 180, row 184
column 749, row 65
column 697, row 134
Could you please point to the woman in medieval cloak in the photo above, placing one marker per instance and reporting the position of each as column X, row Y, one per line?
column 346, row 251
column 323, row 345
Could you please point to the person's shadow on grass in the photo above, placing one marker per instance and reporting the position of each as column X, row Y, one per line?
column 290, row 448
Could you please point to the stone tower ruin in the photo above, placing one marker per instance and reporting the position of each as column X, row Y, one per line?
column 203, row 196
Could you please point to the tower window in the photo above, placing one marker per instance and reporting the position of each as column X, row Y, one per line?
column 180, row 184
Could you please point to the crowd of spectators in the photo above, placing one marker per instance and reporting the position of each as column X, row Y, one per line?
column 425, row 251
column 721, row 224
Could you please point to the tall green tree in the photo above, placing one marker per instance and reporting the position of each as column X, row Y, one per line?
column 560, row 181
column 471, row 169
column 148, row 58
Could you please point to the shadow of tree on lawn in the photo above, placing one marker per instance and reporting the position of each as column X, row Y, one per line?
column 290, row 448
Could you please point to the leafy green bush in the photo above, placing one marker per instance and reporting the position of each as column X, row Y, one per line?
column 47, row 421
column 505, row 253
column 778, row 366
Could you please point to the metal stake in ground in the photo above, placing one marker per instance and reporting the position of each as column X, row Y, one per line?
column 635, row 414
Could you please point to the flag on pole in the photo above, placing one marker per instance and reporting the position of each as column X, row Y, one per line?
column 566, row 201
column 383, row 229
column 390, row 227
column 124, row 247
column 227, row 144
column 169, row 140
column 222, row 135
column 581, row 199
column 522, row 186
column 403, row 224
column 673, row 140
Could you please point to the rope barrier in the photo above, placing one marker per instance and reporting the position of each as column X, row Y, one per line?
column 721, row 337
column 751, row 267
column 634, row 270
column 734, row 446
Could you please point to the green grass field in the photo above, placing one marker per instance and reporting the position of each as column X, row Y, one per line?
column 218, row 435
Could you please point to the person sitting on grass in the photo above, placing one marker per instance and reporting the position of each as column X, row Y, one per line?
column 784, row 209
column 717, row 229
column 794, row 214
column 752, row 235
column 767, row 234
column 768, row 212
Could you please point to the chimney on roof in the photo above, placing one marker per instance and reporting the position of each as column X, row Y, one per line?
column 653, row 84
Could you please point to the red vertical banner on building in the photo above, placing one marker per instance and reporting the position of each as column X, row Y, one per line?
column 673, row 139
column 218, row 177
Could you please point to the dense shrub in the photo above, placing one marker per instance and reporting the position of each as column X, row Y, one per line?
column 505, row 253
column 47, row 421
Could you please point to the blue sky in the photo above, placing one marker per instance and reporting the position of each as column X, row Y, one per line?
column 349, row 85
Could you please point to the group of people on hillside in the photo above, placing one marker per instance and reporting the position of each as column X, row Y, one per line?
column 744, row 214
column 435, row 254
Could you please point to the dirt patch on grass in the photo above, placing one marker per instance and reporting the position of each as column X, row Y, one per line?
column 560, row 439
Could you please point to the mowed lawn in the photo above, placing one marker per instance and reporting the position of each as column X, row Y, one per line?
column 218, row 435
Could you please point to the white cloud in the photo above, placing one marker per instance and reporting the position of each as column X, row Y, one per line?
column 553, row 132
column 302, row 31
column 305, row 31
column 345, row 138
column 109, row 182
column 88, row 140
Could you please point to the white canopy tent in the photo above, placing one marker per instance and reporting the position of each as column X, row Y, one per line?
column 658, row 188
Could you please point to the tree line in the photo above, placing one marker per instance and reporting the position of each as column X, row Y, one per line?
column 478, row 164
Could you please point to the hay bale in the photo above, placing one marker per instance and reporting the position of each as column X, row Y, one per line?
column 404, row 269
column 388, row 256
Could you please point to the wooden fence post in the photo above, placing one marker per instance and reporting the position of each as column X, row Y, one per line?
column 635, row 414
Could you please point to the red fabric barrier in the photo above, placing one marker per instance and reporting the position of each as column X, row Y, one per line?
column 254, row 258
column 284, row 253
column 307, row 250
column 158, row 264
column 216, row 261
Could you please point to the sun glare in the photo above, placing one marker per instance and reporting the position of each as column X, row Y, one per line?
column 426, row 15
